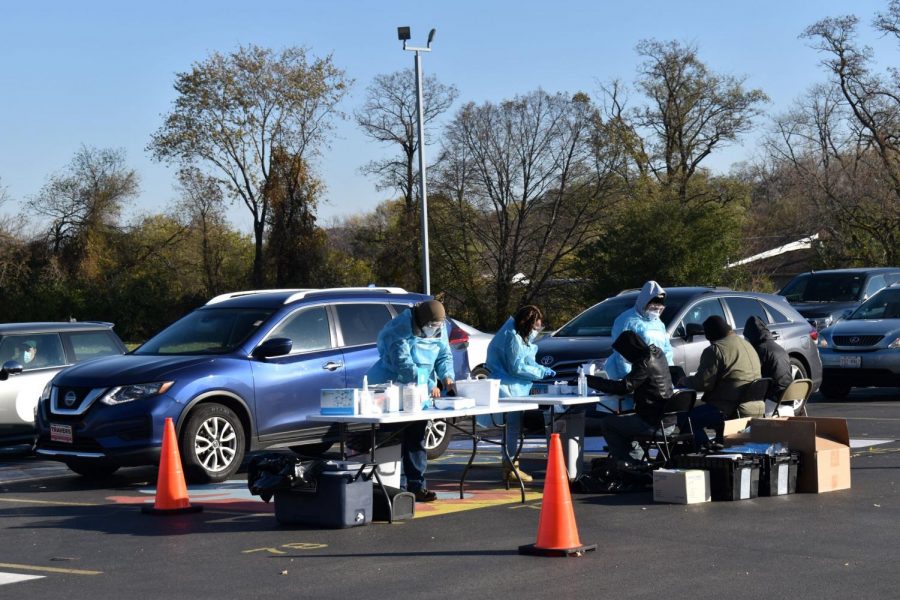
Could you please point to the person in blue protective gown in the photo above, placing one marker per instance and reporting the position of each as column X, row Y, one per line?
column 643, row 319
column 415, row 339
column 510, row 358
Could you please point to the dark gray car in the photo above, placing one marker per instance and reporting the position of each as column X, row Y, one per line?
column 824, row 297
column 586, row 338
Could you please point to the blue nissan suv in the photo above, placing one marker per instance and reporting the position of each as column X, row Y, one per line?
column 240, row 373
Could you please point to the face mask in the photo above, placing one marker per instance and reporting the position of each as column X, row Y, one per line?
column 654, row 311
column 430, row 330
column 531, row 336
column 29, row 356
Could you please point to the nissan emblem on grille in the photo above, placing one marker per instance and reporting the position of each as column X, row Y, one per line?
column 854, row 340
column 70, row 398
column 547, row 360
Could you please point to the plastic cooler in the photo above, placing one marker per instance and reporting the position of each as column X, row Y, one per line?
column 731, row 476
column 341, row 497
column 778, row 466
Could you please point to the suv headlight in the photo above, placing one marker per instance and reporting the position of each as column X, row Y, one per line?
column 895, row 344
column 137, row 391
column 822, row 342
column 45, row 395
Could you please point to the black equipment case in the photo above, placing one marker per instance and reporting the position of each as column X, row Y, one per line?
column 341, row 497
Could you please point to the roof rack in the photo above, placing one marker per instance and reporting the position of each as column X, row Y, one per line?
column 300, row 294
column 230, row 295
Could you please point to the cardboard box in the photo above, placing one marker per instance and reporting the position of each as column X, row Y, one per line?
column 486, row 392
column 734, row 431
column 823, row 444
column 681, row 486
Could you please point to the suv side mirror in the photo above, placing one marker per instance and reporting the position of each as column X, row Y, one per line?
column 273, row 347
column 692, row 329
column 10, row 367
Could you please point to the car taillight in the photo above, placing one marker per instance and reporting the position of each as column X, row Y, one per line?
column 458, row 336
column 813, row 333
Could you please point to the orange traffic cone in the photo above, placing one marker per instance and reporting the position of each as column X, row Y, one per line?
column 171, row 491
column 557, row 532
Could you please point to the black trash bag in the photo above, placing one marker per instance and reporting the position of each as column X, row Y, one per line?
column 611, row 476
column 269, row 473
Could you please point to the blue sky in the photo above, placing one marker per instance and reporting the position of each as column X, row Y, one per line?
column 101, row 73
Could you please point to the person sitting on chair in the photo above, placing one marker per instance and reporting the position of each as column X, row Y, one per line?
column 773, row 359
column 727, row 365
column 650, row 383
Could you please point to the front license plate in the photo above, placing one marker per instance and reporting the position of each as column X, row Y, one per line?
column 851, row 362
column 61, row 433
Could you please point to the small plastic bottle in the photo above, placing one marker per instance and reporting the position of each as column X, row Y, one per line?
column 582, row 382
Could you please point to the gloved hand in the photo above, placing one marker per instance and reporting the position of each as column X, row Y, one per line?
column 548, row 372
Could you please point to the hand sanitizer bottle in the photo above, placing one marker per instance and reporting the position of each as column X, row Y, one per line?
column 582, row 382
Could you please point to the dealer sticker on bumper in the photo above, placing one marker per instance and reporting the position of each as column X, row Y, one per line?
column 60, row 433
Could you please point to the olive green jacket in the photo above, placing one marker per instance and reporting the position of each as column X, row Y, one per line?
column 726, row 366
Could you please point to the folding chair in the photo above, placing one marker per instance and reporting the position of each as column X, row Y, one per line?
column 675, row 410
column 799, row 391
column 758, row 389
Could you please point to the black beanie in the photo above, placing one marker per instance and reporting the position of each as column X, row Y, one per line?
column 428, row 311
column 715, row 328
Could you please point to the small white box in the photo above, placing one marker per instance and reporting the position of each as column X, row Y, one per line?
column 454, row 403
column 681, row 486
column 341, row 401
column 486, row 392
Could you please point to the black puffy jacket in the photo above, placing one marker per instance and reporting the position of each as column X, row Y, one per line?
column 774, row 361
column 649, row 380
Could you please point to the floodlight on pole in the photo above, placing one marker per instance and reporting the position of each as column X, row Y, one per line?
column 403, row 33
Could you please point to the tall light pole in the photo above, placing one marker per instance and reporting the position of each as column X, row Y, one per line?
column 404, row 35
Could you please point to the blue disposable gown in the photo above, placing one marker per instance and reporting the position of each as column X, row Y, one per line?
column 651, row 329
column 511, row 360
column 401, row 352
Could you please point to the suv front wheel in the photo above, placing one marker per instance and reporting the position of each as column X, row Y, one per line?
column 212, row 444
column 437, row 438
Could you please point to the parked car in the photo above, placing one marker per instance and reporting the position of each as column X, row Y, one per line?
column 824, row 297
column 31, row 354
column 240, row 373
column 477, row 345
column 587, row 337
column 864, row 349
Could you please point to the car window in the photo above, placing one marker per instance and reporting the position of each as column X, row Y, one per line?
column 597, row 320
column 875, row 283
column 361, row 323
column 776, row 315
column 34, row 350
column 399, row 308
column 883, row 305
column 206, row 331
column 307, row 328
column 824, row 287
column 92, row 344
column 699, row 313
column 744, row 308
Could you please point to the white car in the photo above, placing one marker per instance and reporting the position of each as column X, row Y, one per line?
column 31, row 354
column 477, row 346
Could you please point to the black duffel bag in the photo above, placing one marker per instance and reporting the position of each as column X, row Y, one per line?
column 269, row 473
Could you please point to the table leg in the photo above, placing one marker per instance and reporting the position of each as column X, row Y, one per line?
column 462, row 479
column 387, row 497
column 508, row 461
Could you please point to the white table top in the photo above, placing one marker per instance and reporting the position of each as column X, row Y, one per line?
column 426, row 415
column 561, row 400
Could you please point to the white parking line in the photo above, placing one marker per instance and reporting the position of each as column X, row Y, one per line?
column 16, row 578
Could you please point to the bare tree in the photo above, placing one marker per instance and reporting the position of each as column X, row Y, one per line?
column 203, row 205
column 233, row 111
column 520, row 178
column 389, row 116
column 690, row 112
column 84, row 202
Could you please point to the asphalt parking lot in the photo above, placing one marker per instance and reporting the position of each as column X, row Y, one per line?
column 64, row 536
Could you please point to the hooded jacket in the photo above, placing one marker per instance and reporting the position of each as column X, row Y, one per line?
column 511, row 360
column 651, row 329
column 402, row 352
column 774, row 361
column 648, row 380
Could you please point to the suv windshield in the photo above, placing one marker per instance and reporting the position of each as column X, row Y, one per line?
column 206, row 331
column 825, row 287
column 598, row 320
column 884, row 305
